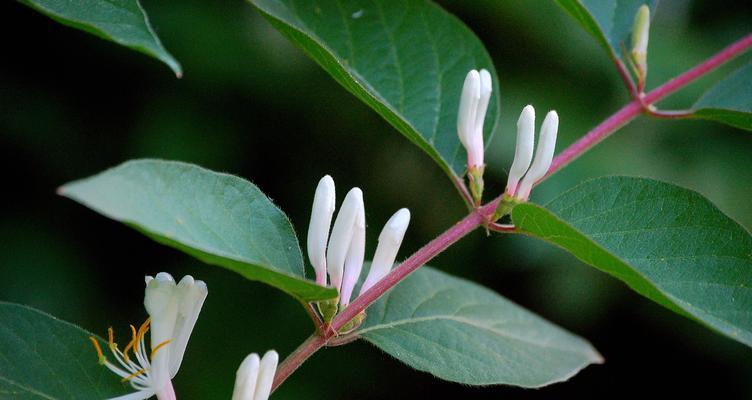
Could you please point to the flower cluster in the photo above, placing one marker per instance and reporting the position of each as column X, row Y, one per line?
column 341, row 253
column 476, row 93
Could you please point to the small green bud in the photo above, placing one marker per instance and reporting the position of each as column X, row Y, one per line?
column 640, row 35
column 475, row 178
column 353, row 324
column 328, row 309
column 505, row 206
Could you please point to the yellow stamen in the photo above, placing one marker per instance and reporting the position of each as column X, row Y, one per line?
column 133, row 375
column 111, row 336
column 133, row 342
column 142, row 331
column 99, row 349
column 159, row 346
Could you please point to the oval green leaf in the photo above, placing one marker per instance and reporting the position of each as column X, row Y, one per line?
column 218, row 218
column 42, row 357
column 668, row 243
column 462, row 332
column 121, row 21
column 729, row 101
column 608, row 21
column 406, row 59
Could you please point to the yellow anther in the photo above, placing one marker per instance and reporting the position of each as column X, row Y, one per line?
column 99, row 349
column 111, row 336
column 159, row 346
column 133, row 375
column 141, row 332
column 132, row 343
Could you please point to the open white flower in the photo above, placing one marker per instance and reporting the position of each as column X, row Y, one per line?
column 173, row 310
column 255, row 376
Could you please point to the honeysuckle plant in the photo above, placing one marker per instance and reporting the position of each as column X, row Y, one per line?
column 667, row 243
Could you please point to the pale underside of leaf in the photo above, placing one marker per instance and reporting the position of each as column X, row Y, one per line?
column 462, row 332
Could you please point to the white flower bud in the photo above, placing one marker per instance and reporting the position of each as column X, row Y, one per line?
column 476, row 93
column 342, row 233
column 468, row 107
column 318, row 229
column 543, row 155
column 390, row 240
column 354, row 259
column 523, row 152
column 254, row 378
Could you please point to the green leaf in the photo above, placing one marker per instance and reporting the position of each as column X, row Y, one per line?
column 729, row 101
column 462, row 332
column 121, row 21
column 608, row 21
column 668, row 243
column 42, row 357
column 218, row 218
column 406, row 59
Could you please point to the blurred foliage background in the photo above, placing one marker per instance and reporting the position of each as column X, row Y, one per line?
column 252, row 104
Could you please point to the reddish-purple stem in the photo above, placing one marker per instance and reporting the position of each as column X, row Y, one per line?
column 481, row 215
column 631, row 110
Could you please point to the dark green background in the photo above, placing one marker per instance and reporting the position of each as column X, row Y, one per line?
column 251, row 104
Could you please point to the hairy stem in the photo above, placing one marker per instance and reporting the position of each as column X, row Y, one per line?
column 481, row 215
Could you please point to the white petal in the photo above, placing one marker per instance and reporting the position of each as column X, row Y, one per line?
column 468, row 107
column 354, row 259
column 246, row 378
column 161, row 303
column 266, row 375
column 390, row 240
column 318, row 228
column 190, row 296
column 523, row 152
column 339, row 242
column 140, row 395
column 543, row 155
column 486, row 87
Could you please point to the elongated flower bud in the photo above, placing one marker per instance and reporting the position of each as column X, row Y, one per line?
column 390, row 240
column 254, row 378
column 318, row 228
column 466, row 115
column 342, row 233
column 354, row 259
column 640, row 36
column 523, row 152
column 543, row 155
